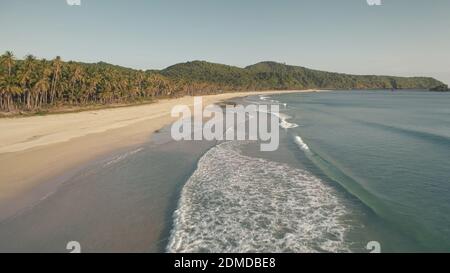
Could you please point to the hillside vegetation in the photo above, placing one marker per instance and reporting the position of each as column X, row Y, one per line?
column 271, row 75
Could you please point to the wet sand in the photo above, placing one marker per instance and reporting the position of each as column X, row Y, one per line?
column 122, row 202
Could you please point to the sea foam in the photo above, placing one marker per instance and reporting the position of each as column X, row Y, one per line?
column 121, row 157
column 284, row 123
column 283, row 119
column 237, row 203
column 301, row 144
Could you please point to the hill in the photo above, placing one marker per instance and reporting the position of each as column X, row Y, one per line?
column 272, row 75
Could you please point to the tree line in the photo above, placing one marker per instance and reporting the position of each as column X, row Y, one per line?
column 33, row 84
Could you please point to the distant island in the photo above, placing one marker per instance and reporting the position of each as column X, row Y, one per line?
column 32, row 84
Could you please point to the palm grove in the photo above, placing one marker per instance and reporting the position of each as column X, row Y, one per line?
column 34, row 84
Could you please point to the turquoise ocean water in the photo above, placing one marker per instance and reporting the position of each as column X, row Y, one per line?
column 353, row 167
column 390, row 150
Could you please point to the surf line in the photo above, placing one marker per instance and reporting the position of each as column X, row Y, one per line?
column 235, row 116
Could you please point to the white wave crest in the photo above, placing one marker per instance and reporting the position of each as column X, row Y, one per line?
column 269, row 99
column 284, row 123
column 236, row 203
column 283, row 120
column 299, row 141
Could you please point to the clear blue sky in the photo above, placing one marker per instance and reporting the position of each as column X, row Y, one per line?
column 402, row 37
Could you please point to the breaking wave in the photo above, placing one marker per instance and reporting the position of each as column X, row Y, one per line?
column 283, row 120
column 284, row 123
column 237, row 203
column 299, row 141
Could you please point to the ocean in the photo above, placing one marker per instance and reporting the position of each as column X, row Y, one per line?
column 353, row 168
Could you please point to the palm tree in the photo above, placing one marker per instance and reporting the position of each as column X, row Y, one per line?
column 8, row 89
column 40, row 86
column 8, row 59
column 40, row 89
column 76, row 80
column 27, row 76
column 8, row 84
column 2, row 93
column 91, row 88
column 57, row 63
column 44, row 80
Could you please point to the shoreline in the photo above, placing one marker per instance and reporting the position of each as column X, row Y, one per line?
column 37, row 152
column 67, row 109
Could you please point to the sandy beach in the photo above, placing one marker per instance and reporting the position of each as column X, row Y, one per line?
column 34, row 150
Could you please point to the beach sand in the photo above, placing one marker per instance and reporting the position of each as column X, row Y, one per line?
column 34, row 150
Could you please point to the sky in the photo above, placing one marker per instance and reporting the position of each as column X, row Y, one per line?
column 400, row 37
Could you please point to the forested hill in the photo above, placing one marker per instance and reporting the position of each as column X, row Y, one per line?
column 32, row 84
column 271, row 75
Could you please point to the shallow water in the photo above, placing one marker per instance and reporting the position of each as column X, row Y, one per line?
column 120, row 203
